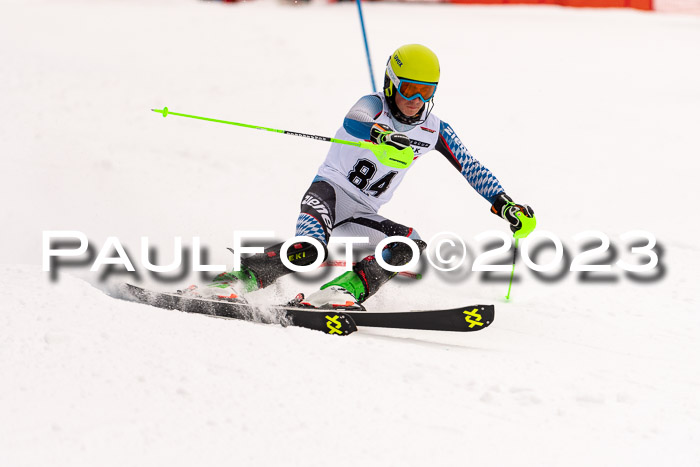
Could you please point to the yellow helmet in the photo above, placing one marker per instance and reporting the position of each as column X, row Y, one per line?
column 415, row 62
column 416, row 67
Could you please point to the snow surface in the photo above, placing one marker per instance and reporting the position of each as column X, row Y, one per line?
column 590, row 116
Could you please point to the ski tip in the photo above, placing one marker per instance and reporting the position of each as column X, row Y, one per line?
column 163, row 112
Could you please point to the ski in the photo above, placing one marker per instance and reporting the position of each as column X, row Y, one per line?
column 463, row 319
column 328, row 321
column 335, row 322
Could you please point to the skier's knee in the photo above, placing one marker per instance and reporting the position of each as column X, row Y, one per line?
column 413, row 235
column 268, row 266
column 400, row 253
column 305, row 253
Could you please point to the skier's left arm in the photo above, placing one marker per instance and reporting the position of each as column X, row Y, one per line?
column 484, row 182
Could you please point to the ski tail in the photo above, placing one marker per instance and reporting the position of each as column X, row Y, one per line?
column 333, row 322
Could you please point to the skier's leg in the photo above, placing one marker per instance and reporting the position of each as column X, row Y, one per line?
column 367, row 275
column 368, row 272
column 315, row 220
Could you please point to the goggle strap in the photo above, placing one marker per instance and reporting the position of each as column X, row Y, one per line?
column 392, row 76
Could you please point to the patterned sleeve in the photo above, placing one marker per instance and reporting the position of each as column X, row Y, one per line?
column 479, row 177
column 359, row 120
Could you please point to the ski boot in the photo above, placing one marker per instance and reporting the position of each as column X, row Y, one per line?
column 339, row 294
column 227, row 286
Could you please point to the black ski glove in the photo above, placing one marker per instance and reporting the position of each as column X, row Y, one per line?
column 504, row 207
column 383, row 134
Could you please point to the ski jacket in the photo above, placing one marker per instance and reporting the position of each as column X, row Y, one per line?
column 359, row 173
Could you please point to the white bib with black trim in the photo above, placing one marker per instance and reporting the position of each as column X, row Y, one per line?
column 359, row 172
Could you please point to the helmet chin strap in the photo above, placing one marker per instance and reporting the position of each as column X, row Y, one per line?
column 405, row 119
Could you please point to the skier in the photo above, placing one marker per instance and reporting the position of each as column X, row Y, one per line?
column 352, row 184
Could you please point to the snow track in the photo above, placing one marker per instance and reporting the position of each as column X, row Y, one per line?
column 598, row 108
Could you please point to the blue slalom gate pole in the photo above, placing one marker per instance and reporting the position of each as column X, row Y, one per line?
column 364, row 34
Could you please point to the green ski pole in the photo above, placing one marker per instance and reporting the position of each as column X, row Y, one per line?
column 387, row 155
column 528, row 225
column 512, row 273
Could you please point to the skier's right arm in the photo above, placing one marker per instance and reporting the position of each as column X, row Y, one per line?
column 361, row 117
column 359, row 122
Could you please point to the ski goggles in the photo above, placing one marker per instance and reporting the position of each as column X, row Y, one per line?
column 410, row 89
